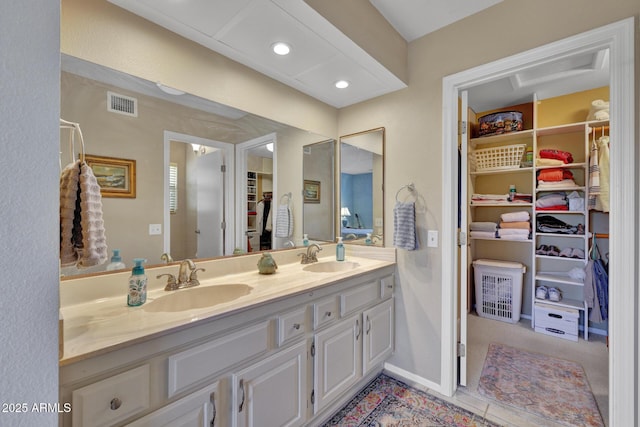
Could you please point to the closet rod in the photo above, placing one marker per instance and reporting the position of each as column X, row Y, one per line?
column 599, row 128
column 601, row 235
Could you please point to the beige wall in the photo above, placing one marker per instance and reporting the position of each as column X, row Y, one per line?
column 413, row 121
column 100, row 32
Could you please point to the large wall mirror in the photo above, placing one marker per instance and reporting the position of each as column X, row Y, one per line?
column 318, row 192
column 200, row 167
column 361, row 207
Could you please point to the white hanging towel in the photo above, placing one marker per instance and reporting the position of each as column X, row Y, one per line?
column 404, row 228
column 82, row 233
column 284, row 221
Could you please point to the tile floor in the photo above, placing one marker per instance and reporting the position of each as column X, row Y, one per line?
column 592, row 355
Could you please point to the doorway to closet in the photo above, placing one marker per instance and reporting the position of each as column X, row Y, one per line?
column 612, row 43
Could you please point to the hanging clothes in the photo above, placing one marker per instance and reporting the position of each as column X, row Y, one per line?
column 264, row 222
column 596, row 287
column 602, row 201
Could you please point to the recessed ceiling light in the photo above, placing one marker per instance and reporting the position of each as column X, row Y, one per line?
column 342, row 84
column 281, row 48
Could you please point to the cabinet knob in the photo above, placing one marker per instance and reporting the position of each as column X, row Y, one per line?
column 115, row 403
column 328, row 314
column 296, row 326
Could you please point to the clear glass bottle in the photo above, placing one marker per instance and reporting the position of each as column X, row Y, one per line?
column 340, row 250
column 137, row 294
column 116, row 261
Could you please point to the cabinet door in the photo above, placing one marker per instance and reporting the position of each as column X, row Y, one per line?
column 272, row 392
column 338, row 360
column 378, row 336
column 198, row 409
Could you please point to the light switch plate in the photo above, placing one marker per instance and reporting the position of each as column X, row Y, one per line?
column 432, row 238
column 155, row 229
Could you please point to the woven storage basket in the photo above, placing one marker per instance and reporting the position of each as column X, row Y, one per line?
column 496, row 158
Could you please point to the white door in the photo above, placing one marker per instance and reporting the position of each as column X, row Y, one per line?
column 338, row 358
column 378, row 335
column 463, row 275
column 210, row 205
column 272, row 392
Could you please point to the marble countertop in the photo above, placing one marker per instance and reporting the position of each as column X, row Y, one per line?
column 98, row 323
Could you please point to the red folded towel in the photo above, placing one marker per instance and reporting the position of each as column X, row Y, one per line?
column 554, row 174
column 565, row 156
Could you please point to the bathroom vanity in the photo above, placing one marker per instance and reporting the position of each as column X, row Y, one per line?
column 258, row 350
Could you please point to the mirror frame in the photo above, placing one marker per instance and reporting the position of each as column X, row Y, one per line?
column 339, row 181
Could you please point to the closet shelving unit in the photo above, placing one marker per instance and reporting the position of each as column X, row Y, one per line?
column 551, row 271
column 252, row 200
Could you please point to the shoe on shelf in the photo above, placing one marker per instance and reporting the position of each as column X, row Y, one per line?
column 566, row 252
column 542, row 250
column 542, row 292
column 553, row 251
column 577, row 253
column 555, row 294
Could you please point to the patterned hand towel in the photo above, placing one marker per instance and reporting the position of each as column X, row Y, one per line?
column 94, row 242
column 69, row 184
column 404, row 228
column 284, row 221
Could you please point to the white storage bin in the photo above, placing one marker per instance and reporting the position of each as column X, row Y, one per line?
column 498, row 286
column 561, row 322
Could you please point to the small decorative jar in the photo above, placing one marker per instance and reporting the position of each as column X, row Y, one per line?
column 266, row 264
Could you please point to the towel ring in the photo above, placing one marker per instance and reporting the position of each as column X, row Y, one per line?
column 409, row 187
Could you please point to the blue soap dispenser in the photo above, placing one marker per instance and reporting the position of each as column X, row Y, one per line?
column 305, row 240
column 340, row 250
column 137, row 294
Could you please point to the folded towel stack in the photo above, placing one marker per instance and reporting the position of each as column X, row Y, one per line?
column 404, row 227
column 515, row 226
column 483, row 230
column 565, row 156
column 552, row 202
column 487, row 199
column 599, row 110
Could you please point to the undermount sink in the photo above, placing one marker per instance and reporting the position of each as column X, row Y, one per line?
column 199, row 297
column 331, row 266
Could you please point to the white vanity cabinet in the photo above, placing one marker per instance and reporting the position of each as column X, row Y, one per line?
column 361, row 341
column 273, row 391
column 283, row 363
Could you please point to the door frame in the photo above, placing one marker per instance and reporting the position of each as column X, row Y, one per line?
column 619, row 39
column 242, row 151
column 229, row 198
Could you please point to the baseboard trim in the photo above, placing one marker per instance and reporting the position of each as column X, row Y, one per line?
column 410, row 378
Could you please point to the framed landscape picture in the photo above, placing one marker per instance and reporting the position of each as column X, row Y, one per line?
column 116, row 177
column 311, row 191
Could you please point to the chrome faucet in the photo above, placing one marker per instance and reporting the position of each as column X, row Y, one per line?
column 187, row 276
column 311, row 255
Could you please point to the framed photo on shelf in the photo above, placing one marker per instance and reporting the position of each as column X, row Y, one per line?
column 116, row 177
column 311, row 191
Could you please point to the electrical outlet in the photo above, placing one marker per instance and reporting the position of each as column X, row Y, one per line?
column 432, row 238
column 155, row 229
column 378, row 222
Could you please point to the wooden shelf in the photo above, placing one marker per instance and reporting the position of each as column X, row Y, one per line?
column 558, row 278
column 502, row 171
column 568, row 303
column 501, row 139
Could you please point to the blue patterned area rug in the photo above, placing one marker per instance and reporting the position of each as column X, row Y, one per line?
column 389, row 402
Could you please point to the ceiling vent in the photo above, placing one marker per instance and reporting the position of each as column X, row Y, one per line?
column 122, row 104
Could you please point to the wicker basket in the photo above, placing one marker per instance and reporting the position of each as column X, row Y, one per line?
column 496, row 158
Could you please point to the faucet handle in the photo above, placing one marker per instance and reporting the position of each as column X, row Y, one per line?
column 172, row 284
column 303, row 258
column 193, row 277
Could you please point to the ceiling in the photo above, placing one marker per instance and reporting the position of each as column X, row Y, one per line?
column 245, row 30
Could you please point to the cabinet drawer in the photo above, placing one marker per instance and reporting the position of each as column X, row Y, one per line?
column 386, row 287
column 191, row 366
column 325, row 311
column 291, row 325
column 360, row 297
column 113, row 399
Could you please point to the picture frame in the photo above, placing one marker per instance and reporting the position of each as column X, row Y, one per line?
column 311, row 191
column 116, row 177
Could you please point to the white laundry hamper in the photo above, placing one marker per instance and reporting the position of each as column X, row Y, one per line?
column 498, row 286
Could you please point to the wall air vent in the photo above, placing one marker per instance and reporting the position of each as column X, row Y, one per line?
column 122, row 104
